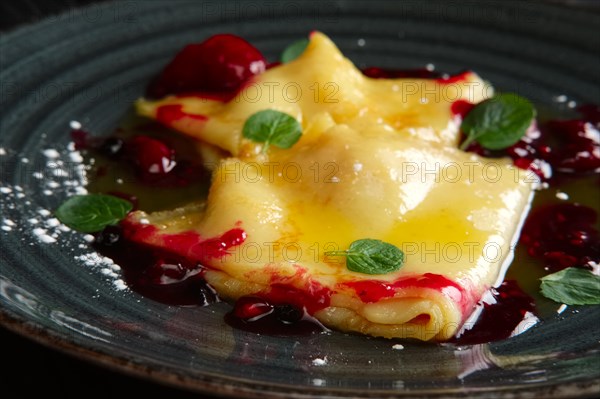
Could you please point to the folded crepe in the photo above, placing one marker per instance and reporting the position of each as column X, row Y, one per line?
column 377, row 159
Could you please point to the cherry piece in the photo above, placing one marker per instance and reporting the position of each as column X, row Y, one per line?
column 152, row 158
column 252, row 308
column 222, row 63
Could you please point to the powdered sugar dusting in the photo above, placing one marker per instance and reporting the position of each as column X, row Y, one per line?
column 46, row 180
column 320, row 361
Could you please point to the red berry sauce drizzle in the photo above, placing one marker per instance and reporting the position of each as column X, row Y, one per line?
column 156, row 273
column 500, row 319
column 561, row 235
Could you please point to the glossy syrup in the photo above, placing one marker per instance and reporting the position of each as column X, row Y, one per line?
column 565, row 153
column 154, row 273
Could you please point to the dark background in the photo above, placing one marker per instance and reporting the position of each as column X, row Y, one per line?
column 28, row 368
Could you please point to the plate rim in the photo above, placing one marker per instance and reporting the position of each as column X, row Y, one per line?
column 239, row 388
column 228, row 386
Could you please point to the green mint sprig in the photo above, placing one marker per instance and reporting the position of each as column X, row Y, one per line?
column 294, row 50
column 371, row 256
column 498, row 122
column 572, row 286
column 272, row 127
column 93, row 212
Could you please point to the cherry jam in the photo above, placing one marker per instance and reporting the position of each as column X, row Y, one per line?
column 155, row 273
column 260, row 316
column 562, row 235
column 222, row 63
column 500, row 319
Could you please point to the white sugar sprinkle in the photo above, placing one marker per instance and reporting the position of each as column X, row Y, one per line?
column 319, row 361
column 61, row 173
column 53, row 222
column 81, row 190
column 398, row 347
column 561, row 98
column 562, row 196
column 88, row 238
column 75, row 156
column 51, row 153
column 42, row 235
column 58, row 172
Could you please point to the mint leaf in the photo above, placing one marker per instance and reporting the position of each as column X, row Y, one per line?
column 93, row 212
column 371, row 256
column 272, row 127
column 498, row 122
column 294, row 50
column 572, row 286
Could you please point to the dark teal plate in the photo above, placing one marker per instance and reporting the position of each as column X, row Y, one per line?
column 89, row 64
